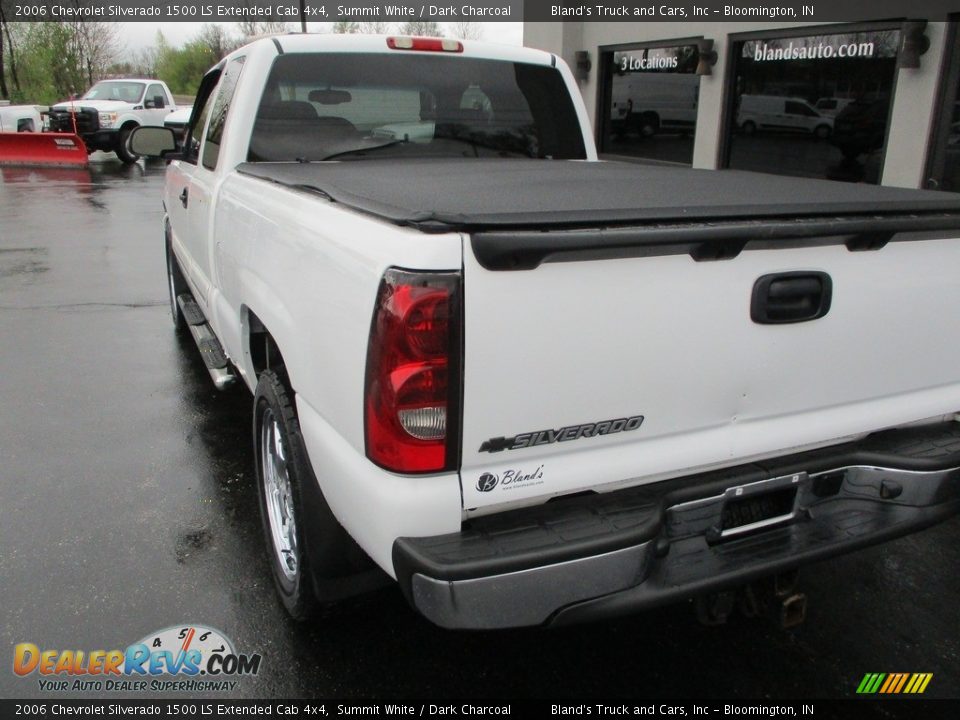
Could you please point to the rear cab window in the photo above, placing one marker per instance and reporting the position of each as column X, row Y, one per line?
column 352, row 106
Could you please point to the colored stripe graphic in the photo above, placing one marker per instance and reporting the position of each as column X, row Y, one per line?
column 903, row 681
column 892, row 679
column 894, row 683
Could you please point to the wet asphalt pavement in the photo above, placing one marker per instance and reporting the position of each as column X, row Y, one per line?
column 127, row 506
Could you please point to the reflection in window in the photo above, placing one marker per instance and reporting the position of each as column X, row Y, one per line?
column 652, row 108
column 814, row 106
column 946, row 151
column 951, row 172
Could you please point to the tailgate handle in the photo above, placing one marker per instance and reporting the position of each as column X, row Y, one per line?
column 791, row 297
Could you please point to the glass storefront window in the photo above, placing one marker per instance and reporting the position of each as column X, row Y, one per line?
column 814, row 106
column 650, row 103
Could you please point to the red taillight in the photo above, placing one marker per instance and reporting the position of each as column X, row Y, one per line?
column 413, row 373
column 425, row 43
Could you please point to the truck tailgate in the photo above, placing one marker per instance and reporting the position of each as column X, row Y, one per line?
column 622, row 323
column 600, row 341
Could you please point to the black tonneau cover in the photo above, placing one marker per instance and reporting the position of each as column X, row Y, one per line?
column 507, row 204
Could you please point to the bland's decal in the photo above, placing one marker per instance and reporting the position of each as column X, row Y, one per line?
column 511, row 479
column 571, row 432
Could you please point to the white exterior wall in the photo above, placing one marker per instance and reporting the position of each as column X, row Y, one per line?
column 913, row 104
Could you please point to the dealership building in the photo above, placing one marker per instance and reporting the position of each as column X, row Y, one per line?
column 871, row 101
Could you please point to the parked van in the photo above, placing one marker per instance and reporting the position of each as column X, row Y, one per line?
column 786, row 114
column 831, row 106
column 648, row 103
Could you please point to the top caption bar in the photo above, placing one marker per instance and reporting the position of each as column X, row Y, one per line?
column 315, row 11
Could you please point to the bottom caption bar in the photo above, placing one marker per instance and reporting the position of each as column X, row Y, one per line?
column 854, row 708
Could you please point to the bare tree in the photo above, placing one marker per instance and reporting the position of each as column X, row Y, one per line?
column 4, row 93
column 217, row 39
column 259, row 29
column 144, row 63
column 97, row 45
column 344, row 27
column 466, row 30
column 268, row 26
column 5, row 30
column 421, row 28
column 377, row 27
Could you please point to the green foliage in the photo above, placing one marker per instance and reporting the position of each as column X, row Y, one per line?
column 183, row 68
column 55, row 60
column 48, row 64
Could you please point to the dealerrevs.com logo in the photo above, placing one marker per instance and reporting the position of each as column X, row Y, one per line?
column 181, row 658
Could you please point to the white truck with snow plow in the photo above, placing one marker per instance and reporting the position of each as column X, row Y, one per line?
column 109, row 111
column 530, row 386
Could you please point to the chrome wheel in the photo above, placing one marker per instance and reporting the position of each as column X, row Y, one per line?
column 278, row 496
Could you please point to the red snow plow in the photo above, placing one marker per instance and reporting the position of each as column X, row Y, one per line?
column 42, row 149
column 23, row 143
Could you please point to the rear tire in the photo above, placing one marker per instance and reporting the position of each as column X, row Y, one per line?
column 282, row 469
column 314, row 562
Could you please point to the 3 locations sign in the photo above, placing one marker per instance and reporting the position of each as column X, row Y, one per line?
column 680, row 59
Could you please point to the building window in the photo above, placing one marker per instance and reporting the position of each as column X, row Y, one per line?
column 649, row 103
column 814, row 106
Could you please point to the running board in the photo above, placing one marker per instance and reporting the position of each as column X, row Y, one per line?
column 210, row 348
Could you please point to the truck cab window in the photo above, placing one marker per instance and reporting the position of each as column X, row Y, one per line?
column 156, row 98
column 218, row 115
column 201, row 111
column 352, row 106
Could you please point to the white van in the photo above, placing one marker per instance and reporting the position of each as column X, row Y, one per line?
column 772, row 112
column 831, row 106
column 648, row 103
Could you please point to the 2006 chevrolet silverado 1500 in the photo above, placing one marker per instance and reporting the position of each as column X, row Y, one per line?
column 531, row 386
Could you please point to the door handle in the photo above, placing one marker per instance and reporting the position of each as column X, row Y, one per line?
column 184, row 197
column 791, row 297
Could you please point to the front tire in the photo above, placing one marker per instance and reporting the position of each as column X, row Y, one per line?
column 126, row 155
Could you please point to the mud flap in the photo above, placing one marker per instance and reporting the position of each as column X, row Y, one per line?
column 42, row 149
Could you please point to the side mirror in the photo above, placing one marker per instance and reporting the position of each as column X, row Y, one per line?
column 158, row 102
column 153, row 141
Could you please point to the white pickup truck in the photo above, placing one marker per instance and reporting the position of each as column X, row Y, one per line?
column 109, row 111
column 20, row 118
column 530, row 386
